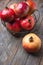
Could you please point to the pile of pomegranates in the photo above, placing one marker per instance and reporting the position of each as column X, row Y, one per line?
column 18, row 16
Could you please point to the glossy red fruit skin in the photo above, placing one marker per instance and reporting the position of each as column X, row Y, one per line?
column 27, row 23
column 9, row 26
column 16, row 27
column 17, row 20
column 0, row 14
column 22, row 9
column 7, row 15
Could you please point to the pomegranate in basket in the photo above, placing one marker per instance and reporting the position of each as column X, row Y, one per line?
column 7, row 14
column 27, row 23
column 22, row 9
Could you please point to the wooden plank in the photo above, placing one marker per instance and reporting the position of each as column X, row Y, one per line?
column 20, row 57
column 41, row 7
column 10, row 43
column 3, row 3
column 14, row 51
column 20, row 49
column 41, row 61
column 41, row 33
column 41, row 24
column 34, row 59
column 40, row 1
column 19, row 60
column 41, row 28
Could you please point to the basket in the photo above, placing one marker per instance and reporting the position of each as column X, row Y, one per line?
column 36, row 16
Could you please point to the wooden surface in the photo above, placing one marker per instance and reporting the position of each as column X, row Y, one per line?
column 11, row 51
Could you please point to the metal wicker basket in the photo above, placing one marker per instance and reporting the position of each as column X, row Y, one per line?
column 36, row 16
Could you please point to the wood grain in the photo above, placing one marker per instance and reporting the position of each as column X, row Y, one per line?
column 3, row 3
column 12, row 46
column 20, row 57
column 35, row 59
column 10, row 43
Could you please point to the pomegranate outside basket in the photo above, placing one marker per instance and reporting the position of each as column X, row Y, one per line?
column 36, row 16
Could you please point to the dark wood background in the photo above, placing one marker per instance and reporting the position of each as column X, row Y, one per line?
column 11, row 51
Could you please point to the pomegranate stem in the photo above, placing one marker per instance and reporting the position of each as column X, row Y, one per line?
column 31, row 39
